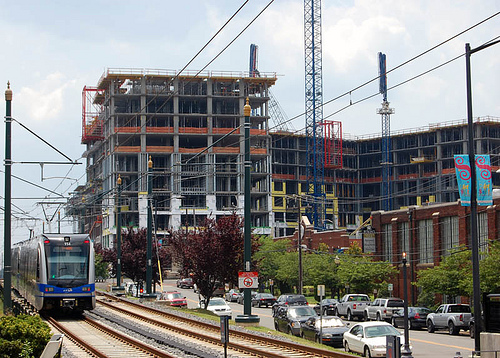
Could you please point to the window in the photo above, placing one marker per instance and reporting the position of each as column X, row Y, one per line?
column 404, row 237
column 482, row 228
column 449, row 233
column 387, row 242
column 426, row 244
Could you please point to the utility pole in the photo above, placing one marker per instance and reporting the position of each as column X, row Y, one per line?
column 7, row 268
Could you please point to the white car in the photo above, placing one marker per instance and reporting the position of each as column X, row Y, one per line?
column 369, row 338
column 218, row 306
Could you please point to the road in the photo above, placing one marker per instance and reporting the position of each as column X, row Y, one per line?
column 425, row 345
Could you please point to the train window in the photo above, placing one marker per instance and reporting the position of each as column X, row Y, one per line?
column 67, row 263
column 38, row 265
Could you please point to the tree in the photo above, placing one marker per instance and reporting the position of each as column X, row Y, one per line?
column 269, row 260
column 134, row 255
column 489, row 268
column 212, row 254
column 361, row 272
column 453, row 275
column 101, row 267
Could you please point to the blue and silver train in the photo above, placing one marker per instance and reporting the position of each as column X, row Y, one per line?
column 55, row 271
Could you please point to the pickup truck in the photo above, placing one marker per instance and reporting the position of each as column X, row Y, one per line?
column 383, row 309
column 452, row 317
column 352, row 305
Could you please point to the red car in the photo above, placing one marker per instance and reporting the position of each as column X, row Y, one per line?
column 173, row 298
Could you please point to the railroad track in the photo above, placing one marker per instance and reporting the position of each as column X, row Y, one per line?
column 240, row 342
column 98, row 340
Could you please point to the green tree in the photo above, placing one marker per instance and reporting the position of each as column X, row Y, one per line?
column 489, row 268
column 23, row 336
column 453, row 276
column 362, row 273
column 268, row 258
column 101, row 267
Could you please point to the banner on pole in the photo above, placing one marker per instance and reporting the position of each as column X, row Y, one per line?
column 483, row 179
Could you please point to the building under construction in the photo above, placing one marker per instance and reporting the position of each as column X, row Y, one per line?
column 191, row 126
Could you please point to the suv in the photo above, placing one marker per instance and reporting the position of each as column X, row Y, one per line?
column 383, row 309
column 289, row 299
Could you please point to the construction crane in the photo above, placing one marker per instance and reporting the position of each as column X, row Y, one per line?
column 385, row 112
column 314, row 110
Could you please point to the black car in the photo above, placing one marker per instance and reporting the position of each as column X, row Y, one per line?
column 288, row 318
column 328, row 305
column 332, row 330
column 263, row 299
column 416, row 317
column 289, row 299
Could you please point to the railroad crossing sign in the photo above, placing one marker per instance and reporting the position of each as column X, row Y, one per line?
column 248, row 280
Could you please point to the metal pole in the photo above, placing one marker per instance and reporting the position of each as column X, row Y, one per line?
column 473, row 208
column 149, row 271
column 406, row 348
column 247, row 316
column 118, row 232
column 7, row 302
column 299, row 241
column 247, row 221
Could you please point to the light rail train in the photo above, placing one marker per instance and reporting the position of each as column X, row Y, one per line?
column 55, row 272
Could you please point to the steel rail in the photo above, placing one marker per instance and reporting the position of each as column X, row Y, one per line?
column 118, row 335
column 264, row 341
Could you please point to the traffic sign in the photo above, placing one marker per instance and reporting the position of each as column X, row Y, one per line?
column 248, row 279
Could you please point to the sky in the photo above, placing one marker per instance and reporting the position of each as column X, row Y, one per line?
column 52, row 49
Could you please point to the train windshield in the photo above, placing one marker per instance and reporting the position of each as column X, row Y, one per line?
column 67, row 264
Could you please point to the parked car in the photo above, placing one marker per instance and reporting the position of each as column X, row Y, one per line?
column 186, row 282
column 289, row 299
column 328, row 305
column 263, row 299
column 382, row 309
column 352, row 305
column 241, row 297
column 332, row 330
column 172, row 298
column 416, row 317
column 452, row 317
column 232, row 295
column 369, row 338
column 218, row 306
column 288, row 318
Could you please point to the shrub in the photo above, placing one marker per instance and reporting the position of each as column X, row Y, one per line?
column 23, row 336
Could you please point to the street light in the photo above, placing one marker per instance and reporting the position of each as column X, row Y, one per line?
column 118, row 233
column 406, row 348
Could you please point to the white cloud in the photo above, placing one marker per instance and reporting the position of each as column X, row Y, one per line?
column 44, row 101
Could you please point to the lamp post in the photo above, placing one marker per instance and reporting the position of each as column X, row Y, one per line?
column 149, row 249
column 118, row 233
column 7, row 269
column 299, row 241
column 406, row 348
column 247, row 316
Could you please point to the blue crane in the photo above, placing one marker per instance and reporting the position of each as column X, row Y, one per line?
column 314, row 110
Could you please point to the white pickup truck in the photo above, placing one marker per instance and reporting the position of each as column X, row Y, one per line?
column 452, row 317
column 352, row 305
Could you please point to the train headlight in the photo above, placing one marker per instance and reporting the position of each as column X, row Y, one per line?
column 85, row 289
column 49, row 289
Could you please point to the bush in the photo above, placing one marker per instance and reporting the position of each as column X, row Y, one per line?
column 23, row 336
